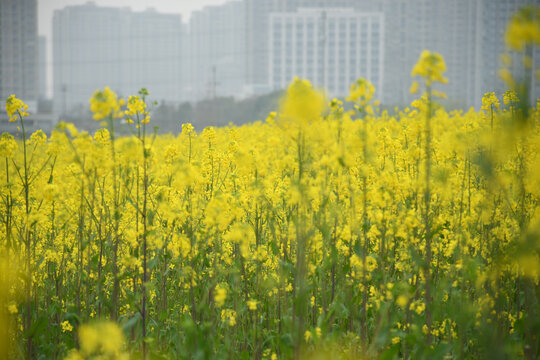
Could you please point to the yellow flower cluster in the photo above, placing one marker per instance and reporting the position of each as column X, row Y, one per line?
column 431, row 67
column 228, row 316
column 354, row 232
column 523, row 29
column 136, row 108
column 15, row 107
column 361, row 92
column 66, row 326
column 8, row 145
column 221, row 296
column 489, row 100
column 103, row 340
column 187, row 129
column 225, row 223
column 302, row 103
column 252, row 304
column 105, row 103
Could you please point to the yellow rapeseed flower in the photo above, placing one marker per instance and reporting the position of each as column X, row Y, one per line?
column 402, row 301
column 488, row 100
column 15, row 107
column 431, row 67
column 8, row 145
column 187, row 128
column 523, row 29
column 302, row 104
column 221, row 295
column 12, row 309
column 104, row 340
column 361, row 92
column 252, row 304
column 66, row 326
column 136, row 109
column 105, row 103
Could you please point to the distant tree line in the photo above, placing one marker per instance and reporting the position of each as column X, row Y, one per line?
column 213, row 112
column 220, row 111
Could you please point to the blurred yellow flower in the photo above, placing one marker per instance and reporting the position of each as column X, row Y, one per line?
column 15, row 107
column 105, row 103
column 103, row 340
column 252, row 305
column 431, row 67
column 361, row 92
column 302, row 104
column 12, row 309
column 66, row 326
column 523, row 29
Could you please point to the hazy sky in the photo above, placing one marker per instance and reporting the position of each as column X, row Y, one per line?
column 184, row 7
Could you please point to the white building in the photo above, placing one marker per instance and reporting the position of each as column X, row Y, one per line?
column 331, row 47
column 94, row 47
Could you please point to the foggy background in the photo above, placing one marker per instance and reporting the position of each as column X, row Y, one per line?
column 215, row 62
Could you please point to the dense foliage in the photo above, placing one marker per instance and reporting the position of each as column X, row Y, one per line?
column 320, row 233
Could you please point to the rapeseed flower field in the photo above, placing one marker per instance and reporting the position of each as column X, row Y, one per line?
column 320, row 233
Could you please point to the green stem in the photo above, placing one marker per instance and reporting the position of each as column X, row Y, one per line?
column 427, row 198
column 28, row 322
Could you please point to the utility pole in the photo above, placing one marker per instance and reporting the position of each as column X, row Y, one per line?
column 322, row 45
column 212, row 94
column 64, row 105
column 214, row 83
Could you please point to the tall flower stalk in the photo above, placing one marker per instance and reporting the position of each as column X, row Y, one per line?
column 430, row 67
column 301, row 106
column 137, row 113
column 361, row 93
column 105, row 105
column 16, row 109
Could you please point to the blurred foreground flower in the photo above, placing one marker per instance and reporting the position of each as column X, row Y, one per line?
column 105, row 103
column 15, row 107
column 302, row 103
column 524, row 29
column 103, row 340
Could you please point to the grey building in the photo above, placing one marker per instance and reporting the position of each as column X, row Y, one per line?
column 493, row 19
column 257, row 47
column 42, row 67
column 94, row 47
column 217, row 52
column 246, row 47
column 446, row 27
column 468, row 33
column 19, row 50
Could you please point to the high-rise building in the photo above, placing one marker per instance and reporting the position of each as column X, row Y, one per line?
column 42, row 67
column 257, row 40
column 257, row 47
column 94, row 47
column 217, row 51
column 246, row 47
column 19, row 50
column 446, row 27
column 493, row 19
column 19, row 72
column 332, row 47
column 468, row 33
